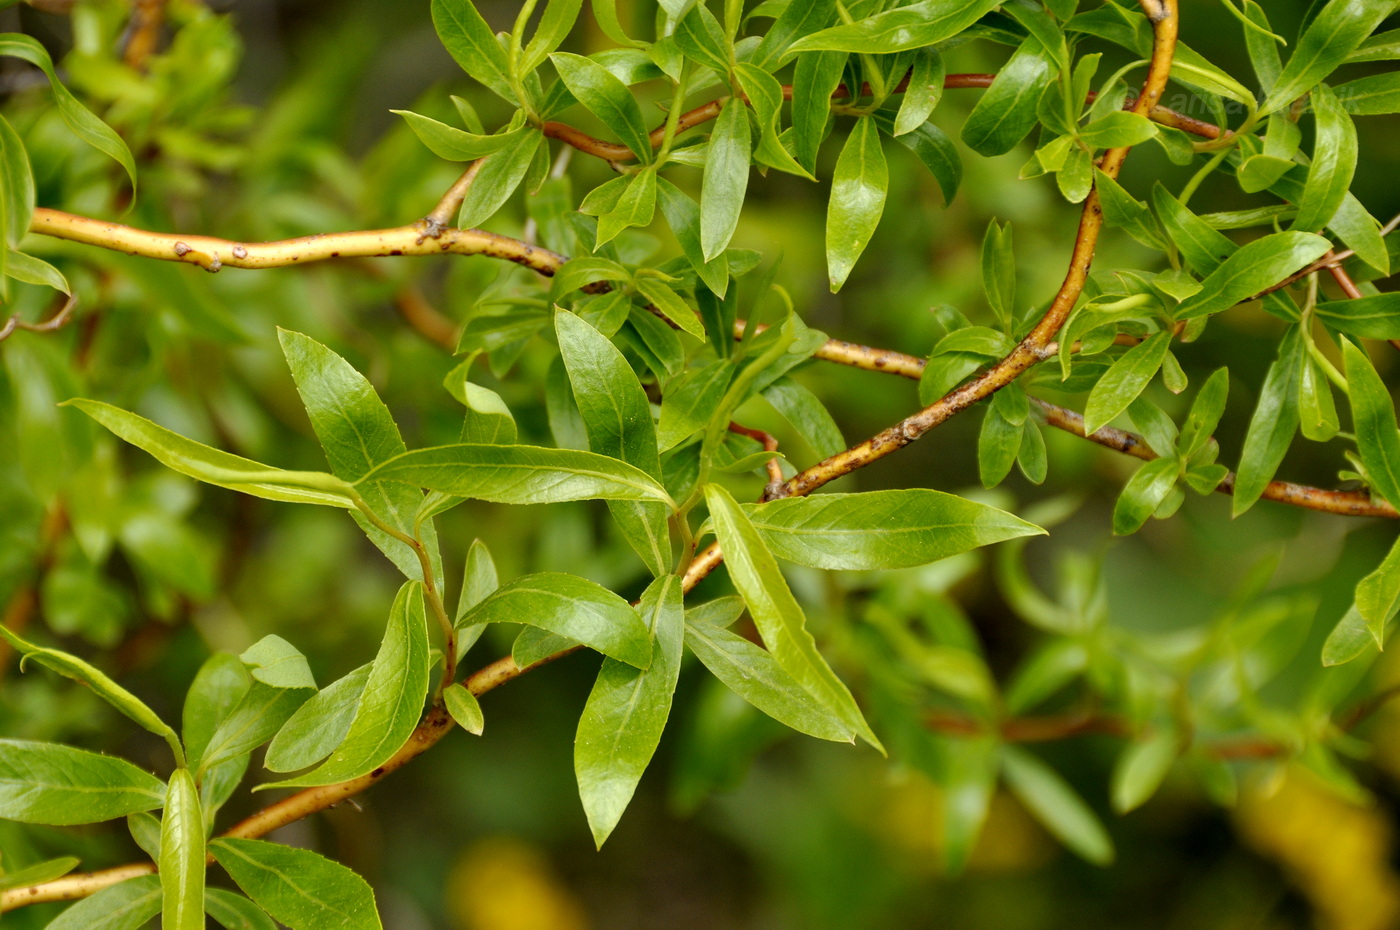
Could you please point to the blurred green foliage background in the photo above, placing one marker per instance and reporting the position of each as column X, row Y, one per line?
column 268, row 119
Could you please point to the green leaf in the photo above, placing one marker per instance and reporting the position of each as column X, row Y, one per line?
column 938, row 153
column 670, row 304
column 488, row 418
column 796, row 20
column 775, row 611
column 1272, row 427
column 1206, row 411
column 1333, row 164
column 756, row 676
column 319, row 725
column 607, row 98
column 701, row 39
column 726, row 178
column 53, row 784
column 390, row 705
column 766, row 97
column 1116, row 129
column 114, row 694
column 1203, row 247
column 556, row 23
column 806, row 413
column 683, row 216
column 78, row 118
column 16, row 196
column 1263, row 49
column 908, row 27
column 32, row 270
column 923, row 93
column 617, row 417
column 1125, row 380
column 1007, row 111
column 572, row 607
column 1336, row 31
column 298, row 887
column 126, row 905
column 1056, row 805
column 1317, row 411
column 1256, row 266
column 235, row 912
column 520, row 474
column 858, row 190
column 498, row 178
column 1349, row 639
column 999, row 272
column 814, row 80
column 1141, row 769
column 182, row 856
column 880, row 529
column 1143, row 494
column 464, row 708
column 626, row 712
column 1378, row 595
column 1378, row 94
column 968, row 782
column 1373, row 417
column 453, row 144
column 39, row 872
column 1374, row 317
column 217, row 689
column 472, row 45
column 689, row 401
column 262, row 712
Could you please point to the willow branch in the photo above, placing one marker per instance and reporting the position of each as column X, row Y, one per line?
column 441, row 216
column 57, row 321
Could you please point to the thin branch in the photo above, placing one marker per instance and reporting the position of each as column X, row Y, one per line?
column 57, row 321
column 143, row 32
column 441, row 216
column 770, row 444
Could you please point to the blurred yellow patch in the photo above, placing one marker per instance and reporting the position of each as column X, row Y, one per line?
column 1338, row 853
column 1010, row 840
column 502, row 883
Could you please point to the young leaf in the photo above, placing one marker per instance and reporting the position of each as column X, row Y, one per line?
column 1117, row 129
column 1054, row 803
column 815, row 79
column 43, row 871
column 1317, row 411
column 1339, row 28
column 217, row 689
column 182, row 856
column 520, row 474
column 498, row 178
column 726, row 179
column 617, row 416
column 452, row 143
column 1260, row 264
column 1349, row 639
column 1206, row 411
column 1373, row 416
column 127, row 905
column 999, row 272
column 626, row 712
column 795, row 21
column 776, row 613
column 606, row 98
column 558, row 19
column 1125, row 380
column 1141, row 768
column 683, row 216
column 1272, row 427
column 1378, row 594
column 298, row 887
column 807, row 414
column 235, row 912
column 923, row 93
column 464, row 708
column 1143, row 494
column 1333, row 164
column 858, row 191
column 472, row 45
column 690, row 399
column 114, row 694
column 390, row 704
column 574, row 608
column 319, row 725
column 53, row 784
column 1007, row 111
column 915, row 26
column 701, row 38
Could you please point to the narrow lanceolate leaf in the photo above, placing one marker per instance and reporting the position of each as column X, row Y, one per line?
column 182, row 856
column 1378, row 594
column 880, row 529
column 498, row 178
column 1374, row 317
column 726, row 178
column 357, row 433
column 1256, row 266
column 1141, row 769
column 607, row 98
column 756, row 676
column 775, row 611
column 572, row 607
column 454, row 144
column 683, row 216
column 78, row 118
column 299, row 888
column 938, row 153
column 815, row 79
column 914, row 26
column 999, row 272
column 1117, row 129
column 1373, row 417
column 858, row 190
column 558, row 19
column 617, row 417
column 1123, row 382
column 392, row 700
column 318, row 726
column 1333, row 163
column 48, row 783
column 626, row 712
column 472, row 45
column 210, row 465
column 923, row 93
column 1056, row 805
column 1349, row 639
column 796, row 21
column 1338, row 29
column 104, row 687
column 521, row 474
column 1372, row 96
column 1006, row 112
column 1272, row 427
column 41, row 871
column 128, row 905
